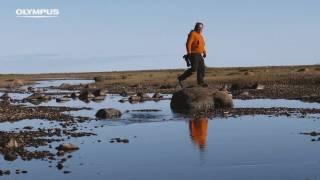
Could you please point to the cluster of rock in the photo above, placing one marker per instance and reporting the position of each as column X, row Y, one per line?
column 111, row 113
column 119, row 140
column 10, row 113
column 36, row 90
column 91, row 95
column 84, row 95
column 140, row 97
column 37, row 98
column 5, row 97
column 245, row 90
column 87, row 93
column 186, row 100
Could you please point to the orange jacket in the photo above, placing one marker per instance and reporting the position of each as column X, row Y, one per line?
column 195, row 43
column 198, row 131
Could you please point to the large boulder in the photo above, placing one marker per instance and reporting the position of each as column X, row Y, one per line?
column 192, row 99
column 222, row 99
column 108, row 113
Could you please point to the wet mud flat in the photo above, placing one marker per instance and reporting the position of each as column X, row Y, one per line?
column 11, row 113
column 33, row 142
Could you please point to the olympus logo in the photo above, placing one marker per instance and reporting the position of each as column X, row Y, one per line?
column 37, row 13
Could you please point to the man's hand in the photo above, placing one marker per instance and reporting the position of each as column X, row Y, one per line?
column 204, row 55
column 187, row 59
column 189, row 55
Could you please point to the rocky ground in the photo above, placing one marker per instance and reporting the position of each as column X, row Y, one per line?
column 285, row 82
column 23, row 143
column 9, row 112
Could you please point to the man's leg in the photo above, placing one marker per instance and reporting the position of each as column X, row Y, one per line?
column 191, row 70
column 200, row 70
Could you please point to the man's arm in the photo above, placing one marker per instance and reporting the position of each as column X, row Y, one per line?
column 204, row 52
column 189, row 42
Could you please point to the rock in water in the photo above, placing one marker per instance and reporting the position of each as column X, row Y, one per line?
column 75, row 95
column 157, row 95
column 108, row 113
column 85, row 94
column 134, row 98
column 10, row 156
column 100, row 92
column 124, row 92
column 222, row 100
column 12, row 144
column 5, row 97
column 60, row 153
column 37, row 98
column 99, row 98
column 90, row 86
column 30, row 89
column 62, row 99
column 192, row 99
column 143, row 95
column 67, row 147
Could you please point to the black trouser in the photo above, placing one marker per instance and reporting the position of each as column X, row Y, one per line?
column 197, row 64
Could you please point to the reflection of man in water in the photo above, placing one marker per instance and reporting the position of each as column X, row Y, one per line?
column 198, row 131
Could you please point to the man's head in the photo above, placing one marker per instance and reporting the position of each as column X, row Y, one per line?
column 198, row 27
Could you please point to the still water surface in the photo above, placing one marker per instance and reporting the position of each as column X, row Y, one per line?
column 164, row 145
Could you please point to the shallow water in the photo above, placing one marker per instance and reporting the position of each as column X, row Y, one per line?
column 268, row 103
column 246, row 148
column 48, row 83
column 164, row 145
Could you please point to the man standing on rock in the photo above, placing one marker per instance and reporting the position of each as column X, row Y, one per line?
column 196, row 54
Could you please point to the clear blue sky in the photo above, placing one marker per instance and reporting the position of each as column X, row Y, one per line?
column 238, row 32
